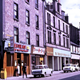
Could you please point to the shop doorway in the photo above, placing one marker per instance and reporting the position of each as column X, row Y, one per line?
column 19, row 61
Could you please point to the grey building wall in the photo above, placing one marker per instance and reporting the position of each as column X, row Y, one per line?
column 21, row 25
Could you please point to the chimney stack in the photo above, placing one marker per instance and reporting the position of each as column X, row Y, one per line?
column 58, row 1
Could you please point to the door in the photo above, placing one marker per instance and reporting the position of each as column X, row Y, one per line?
column 19, row 62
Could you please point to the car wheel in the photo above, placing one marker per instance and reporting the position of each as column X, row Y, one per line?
column 45, row 74
column 34, row 76
column 51, row 73
column 64, row 71
column 39, row 75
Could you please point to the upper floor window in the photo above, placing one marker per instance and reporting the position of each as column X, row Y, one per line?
column 66, row 29
column 53, row 21
column 15, row 11
column 37, row 40
column 16, row 35
column 27, row 1
column 27, row 37
column 63, row 27
column 54, row 38
column 59, row 24
column 58, row 7
column 49, row 37
column 27, row 17
column 59, row 40
column 37, row 22
column 48, row 19
column 64, row 41
column 36, row 4
column 67, row 43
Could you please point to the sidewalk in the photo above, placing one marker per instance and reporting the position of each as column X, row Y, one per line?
column 16, row 78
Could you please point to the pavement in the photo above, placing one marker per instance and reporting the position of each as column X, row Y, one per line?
column 30, row 75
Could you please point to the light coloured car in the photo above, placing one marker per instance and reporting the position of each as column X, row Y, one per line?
column 77, row 68
column 68, row 67
column 41, row 70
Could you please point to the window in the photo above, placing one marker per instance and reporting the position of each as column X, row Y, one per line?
column 63, row 27
column 36, row 4
column 37, row 22
column 27, row 17
column 15, row 11
column 64, row 41
column 49, row 37
column 59, row 40
column 59, row 24
column 53, row 21
column 58, row 7
column 27, row 37
column 37, row 40
column 67, row 43
column 66, row 29
column 54, row 38
column 48, row 19
column 16, row 35
column 27, row 1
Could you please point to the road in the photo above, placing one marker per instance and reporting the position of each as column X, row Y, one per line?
column 59, row 76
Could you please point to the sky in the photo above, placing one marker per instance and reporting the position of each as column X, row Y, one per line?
column 72, row 8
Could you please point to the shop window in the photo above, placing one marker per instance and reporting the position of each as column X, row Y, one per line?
column 26, row 59
column 16, row 34
column 15, row 11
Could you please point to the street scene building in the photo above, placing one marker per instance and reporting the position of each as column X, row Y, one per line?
column 57, row 36
column 74, row 42
column 35, row 32
column 21, row 28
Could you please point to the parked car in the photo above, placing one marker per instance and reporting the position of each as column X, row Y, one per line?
column 77, row 68
column 68, row 67
column 41, row 70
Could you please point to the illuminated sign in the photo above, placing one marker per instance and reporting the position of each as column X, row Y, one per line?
column 22, row 48
column 38, row 50
column 61, row 53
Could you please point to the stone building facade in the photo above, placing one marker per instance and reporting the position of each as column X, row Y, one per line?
column 22, row 21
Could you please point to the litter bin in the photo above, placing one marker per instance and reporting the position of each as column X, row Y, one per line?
column 3, row 74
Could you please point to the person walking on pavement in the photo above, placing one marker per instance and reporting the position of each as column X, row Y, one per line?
column 18, row 68
column 24, row 70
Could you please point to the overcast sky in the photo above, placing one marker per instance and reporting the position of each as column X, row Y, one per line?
column 72, row 8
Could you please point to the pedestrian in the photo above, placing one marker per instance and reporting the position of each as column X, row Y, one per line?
column 18, row 68
column 24, row 70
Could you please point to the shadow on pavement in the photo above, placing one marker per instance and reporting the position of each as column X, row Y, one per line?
column 77, row 77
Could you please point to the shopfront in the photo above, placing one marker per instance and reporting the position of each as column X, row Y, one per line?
column 49, row 52
column 61, row 57
column 75, row 59
column 37, row 56
column 19, row 56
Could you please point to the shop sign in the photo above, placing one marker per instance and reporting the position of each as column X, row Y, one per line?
column 38, row 50
column 61, row 53
column 22, row 48
column 74, row 56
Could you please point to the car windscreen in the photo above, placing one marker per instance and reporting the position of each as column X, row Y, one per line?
column 38, row 67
